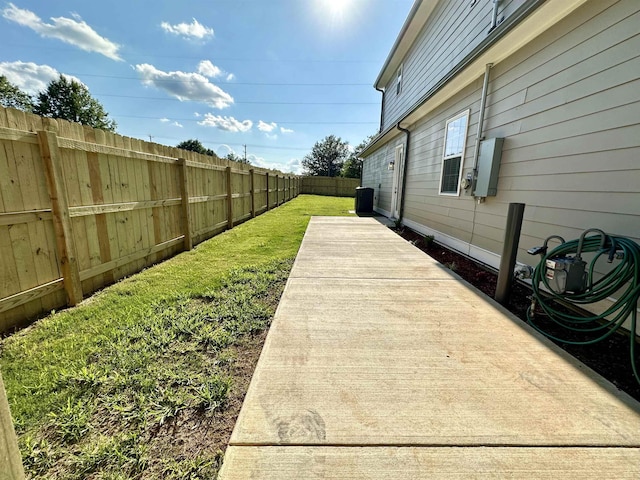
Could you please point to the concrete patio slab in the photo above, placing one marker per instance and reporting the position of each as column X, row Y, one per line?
column 447, row 463
column 374, row 345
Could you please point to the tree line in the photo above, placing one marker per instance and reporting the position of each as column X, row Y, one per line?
column 70, row 100
column 334, row 157
column 62, row 98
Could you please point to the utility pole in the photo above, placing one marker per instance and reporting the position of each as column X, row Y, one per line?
column 150, row 138
column 245, row 153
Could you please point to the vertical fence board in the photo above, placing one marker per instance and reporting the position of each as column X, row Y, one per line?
column 267, row 187
column 111, row 209
column 186, row 216
column 229, row 199
column 253, row 192
column 10, row 458
column 64, row 233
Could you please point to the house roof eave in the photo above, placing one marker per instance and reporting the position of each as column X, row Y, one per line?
column 379, row 140
column 417, row 18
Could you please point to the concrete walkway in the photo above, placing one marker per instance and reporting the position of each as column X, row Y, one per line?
column 381, row 364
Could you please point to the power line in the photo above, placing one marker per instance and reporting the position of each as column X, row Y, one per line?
column 164, row 99
column 218, row 59
column 279, row 123
column 217, row 142
column 253, row 84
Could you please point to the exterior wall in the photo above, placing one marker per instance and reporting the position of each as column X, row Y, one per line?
column 567, row 105
column 452, row 32
column 376, row 175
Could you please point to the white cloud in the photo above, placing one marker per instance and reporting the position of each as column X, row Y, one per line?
column 73, row 31
column 224, row 150
column 231, row 77
column 228, row 124
column 285, row 130
column 165, row 120
column 267, row 127
column 292, row 166
column 208, row 69
column 177, row 124
column 194, row 30
column 31, row 77
column 185, row 86
column 197, row 115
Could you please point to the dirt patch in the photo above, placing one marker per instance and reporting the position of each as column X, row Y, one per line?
column 199, row 434
column 610, row 357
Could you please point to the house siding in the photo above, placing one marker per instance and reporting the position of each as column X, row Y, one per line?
column 453, row 30
column 376, row 175
column 567, row 105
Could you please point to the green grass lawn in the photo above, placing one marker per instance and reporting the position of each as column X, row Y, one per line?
column 144, row 379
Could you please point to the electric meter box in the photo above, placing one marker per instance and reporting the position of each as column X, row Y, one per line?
column 488, row 167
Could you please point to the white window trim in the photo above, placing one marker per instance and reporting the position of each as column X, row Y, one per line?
column 399, row 79
column 466, row 113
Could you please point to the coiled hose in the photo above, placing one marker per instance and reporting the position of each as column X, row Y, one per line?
column 623, row 279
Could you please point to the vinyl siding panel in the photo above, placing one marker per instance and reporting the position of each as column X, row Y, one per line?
column 567, row 105
column 451, row 215
column 453, row 30
column 376, row 175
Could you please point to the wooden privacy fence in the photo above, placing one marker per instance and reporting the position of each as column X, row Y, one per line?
column 81, row 208
column 331, row 186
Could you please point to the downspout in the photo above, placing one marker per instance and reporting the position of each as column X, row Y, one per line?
column 381, row 90
column 407, row 144
column 494, row 16
column 483, row 104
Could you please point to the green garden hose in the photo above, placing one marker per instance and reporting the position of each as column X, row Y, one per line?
column 623, row 281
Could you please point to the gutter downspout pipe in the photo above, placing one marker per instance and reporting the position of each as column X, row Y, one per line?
column 483, row 104
column 407, row 144
column 381, row 90
column 494, row 15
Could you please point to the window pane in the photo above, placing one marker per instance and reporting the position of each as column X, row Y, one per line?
column 450, row 175
column 456, row 132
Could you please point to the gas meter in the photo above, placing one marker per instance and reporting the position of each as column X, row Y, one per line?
column 565, row 273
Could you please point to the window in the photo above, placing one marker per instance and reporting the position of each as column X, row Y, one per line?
column 399, row 81
column 455, row 139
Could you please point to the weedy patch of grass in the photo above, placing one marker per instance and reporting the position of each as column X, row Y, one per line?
column 203, row 467
column 145, row 379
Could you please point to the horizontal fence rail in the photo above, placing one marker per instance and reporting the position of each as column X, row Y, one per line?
column 81, row 208
column 330, row 186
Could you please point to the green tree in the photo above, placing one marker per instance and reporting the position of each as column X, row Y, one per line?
column 70, row 100
column 195, row 145
column 326, row 158
column 12, row 97
column 231, row 156
column 352, row 167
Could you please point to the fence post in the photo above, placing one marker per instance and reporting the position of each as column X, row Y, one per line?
column 9, row 453
column 186, row 214
column 229, row 199
column 509, row 252
column 267, row 175
column 253, row 193
column 65, row 242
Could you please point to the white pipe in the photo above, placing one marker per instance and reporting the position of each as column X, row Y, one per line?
column 494, row 19
column 483, row 104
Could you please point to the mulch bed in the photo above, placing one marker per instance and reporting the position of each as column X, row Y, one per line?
column 610, row 357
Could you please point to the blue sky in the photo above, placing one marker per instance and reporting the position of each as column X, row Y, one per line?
column 275, row 75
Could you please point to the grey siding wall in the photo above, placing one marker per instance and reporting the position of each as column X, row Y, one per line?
column 452, row 31
column 376, row 175
column 567, row 105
